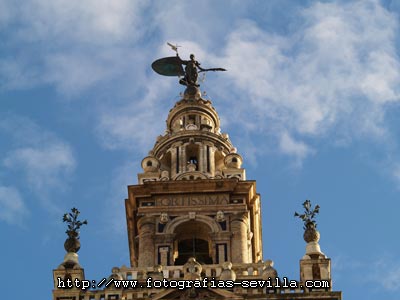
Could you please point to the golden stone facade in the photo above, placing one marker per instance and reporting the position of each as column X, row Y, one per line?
column 194, row 217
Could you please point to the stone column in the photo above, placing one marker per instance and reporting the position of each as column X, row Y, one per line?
column 165, row 244
column 212, row 161
column 182, row 159
column 239, row 239
column 173, row 162
column 146, row 227
column 164, row 255
column 201, row 160
column 221, row 253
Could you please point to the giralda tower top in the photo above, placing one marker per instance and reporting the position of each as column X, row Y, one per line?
column 193, row 199
column 194, row 216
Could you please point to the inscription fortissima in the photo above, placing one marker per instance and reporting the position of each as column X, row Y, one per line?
column 190, row 200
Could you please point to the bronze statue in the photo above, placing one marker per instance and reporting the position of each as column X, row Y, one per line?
column 172, row 66
column 191, row 73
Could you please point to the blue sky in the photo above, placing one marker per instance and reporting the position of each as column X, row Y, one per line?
column 310, row 99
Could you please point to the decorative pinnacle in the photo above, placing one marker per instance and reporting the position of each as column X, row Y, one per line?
column 73, row 223
column 309, row 214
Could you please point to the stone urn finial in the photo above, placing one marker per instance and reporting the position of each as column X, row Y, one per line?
column 227, row 272
column 311, row 233
column 269, row 272
column 192, row 269
column 72, row 243
column 191, row 166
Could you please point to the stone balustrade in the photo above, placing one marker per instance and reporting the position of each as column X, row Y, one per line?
column 243, row 271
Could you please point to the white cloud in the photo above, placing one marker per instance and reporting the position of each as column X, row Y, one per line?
column 75, row 72
column 16, row 75
column 135, row 124
column 23, row 131
column 129, row 129
column 378, row 273
column 394, row 168
column 7, row 12
column 92, row 21
column 43, row 166
column 42, row 158
column 386, row 272
column 12, row 208
column 332, row 77
column 294, row 148
column 392, row 277
column 71, row 44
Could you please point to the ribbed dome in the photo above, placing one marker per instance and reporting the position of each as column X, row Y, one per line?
column 193, row 146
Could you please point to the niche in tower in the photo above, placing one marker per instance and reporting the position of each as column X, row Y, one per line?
column 192, row 122
column 192, row 155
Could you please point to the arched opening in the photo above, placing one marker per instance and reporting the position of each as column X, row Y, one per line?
column 166, row 162
column 193, row 240
column 192, row 154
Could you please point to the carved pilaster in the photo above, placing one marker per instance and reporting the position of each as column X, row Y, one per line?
column 146, row 227
column 239, row 239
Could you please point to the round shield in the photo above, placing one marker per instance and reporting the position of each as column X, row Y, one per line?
column 168, row 66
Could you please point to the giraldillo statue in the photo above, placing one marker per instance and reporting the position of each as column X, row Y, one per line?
column 173, row 66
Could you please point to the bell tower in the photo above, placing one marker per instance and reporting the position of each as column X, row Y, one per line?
column 194, row 218
column 193, row 199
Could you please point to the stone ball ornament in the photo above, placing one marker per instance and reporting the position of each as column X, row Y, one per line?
column 72, row 243
column 227, row 272
column 311, row 234
column 192, row 269
column 269, row 270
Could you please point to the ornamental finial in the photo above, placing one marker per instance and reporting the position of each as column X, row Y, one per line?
column 72, row 243
column 309, row 214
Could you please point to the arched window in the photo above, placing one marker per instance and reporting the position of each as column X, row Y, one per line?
column 192, row 239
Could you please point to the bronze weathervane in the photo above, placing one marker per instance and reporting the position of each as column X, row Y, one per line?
column 173, row 66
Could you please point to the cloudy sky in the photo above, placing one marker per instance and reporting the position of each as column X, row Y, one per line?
column 310, row 99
